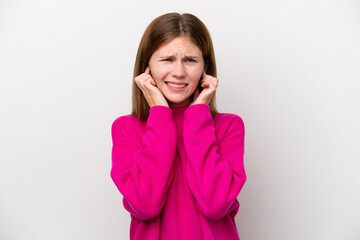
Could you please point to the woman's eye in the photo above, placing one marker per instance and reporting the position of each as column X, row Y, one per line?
column 166, row 60
column 190, row 60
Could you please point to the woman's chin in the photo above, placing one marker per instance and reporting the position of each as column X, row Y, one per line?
column 178, row 102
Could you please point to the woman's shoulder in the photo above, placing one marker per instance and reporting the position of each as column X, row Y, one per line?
column 127, row 121
column 224, row 120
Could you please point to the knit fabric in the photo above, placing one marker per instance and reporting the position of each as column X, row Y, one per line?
column 180, row 172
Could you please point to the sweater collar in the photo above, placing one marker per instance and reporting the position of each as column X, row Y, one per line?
column 180, row 109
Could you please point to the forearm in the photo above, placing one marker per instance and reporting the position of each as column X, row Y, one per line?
column 143, row 172
column 215, row 170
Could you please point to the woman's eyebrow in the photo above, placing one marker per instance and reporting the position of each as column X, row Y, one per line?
column 166, row 56
column 172, row 56
column 189, row 56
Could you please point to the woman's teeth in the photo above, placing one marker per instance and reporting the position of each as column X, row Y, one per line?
column 176, row 85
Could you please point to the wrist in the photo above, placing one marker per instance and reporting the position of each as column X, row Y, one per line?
column 200, row 101
column 159, row 104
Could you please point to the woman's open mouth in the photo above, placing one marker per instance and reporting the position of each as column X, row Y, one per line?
column 176, row 87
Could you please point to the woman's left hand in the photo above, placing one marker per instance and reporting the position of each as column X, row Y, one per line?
column 209, row 85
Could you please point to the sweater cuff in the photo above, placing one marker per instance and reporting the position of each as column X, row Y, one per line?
column 162, row 111
column 198, row 109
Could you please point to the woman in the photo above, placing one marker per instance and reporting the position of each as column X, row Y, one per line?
column 178, row 162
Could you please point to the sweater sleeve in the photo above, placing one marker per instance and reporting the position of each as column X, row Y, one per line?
column 142, row 171
column 215, row 170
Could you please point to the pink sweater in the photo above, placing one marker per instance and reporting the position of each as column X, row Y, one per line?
column 180, row 172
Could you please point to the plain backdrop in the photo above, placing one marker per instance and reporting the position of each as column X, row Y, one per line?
column 290, row 69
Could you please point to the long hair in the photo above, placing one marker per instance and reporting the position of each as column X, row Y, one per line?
column 162, row 29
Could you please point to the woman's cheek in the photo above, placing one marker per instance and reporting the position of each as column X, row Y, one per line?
column 193, row 73
column 162, row 72
column 198, row 76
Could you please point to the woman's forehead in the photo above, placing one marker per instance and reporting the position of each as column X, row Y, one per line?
column 180, row 45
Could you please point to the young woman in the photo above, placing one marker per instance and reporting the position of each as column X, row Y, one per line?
column 178, row 162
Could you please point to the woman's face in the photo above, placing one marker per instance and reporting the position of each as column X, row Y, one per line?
column 176, row 67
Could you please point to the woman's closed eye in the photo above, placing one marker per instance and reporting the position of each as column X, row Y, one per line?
column 190, row 60
column 166, row 60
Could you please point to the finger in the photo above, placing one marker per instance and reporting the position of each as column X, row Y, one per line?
column 140, row 77
column 141, row 81
column 212, row 80
column 205, row 84
column 147, row 70
column 149, row 83
column 146, row 82
column 212, row 84
column 137, row 81
column 151, row 80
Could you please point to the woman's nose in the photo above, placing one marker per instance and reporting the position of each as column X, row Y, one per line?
column 178, row 70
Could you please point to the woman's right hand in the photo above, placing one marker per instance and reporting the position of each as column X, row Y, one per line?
column 148, row 86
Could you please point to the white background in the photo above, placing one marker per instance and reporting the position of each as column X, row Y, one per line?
column 290, row 69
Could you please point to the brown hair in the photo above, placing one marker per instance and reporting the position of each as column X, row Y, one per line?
column 165, row 28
